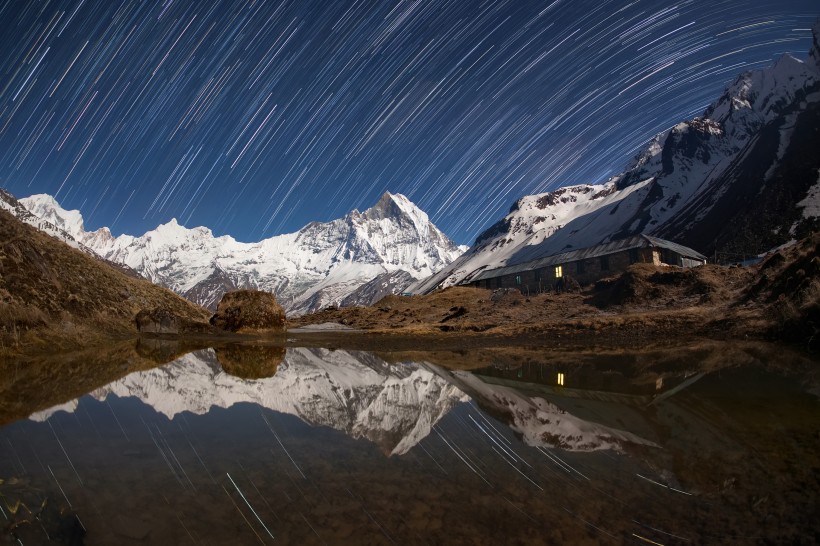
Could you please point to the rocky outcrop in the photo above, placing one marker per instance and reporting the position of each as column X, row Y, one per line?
column 247, row 311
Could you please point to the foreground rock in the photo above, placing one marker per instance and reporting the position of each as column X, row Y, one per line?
column 249, row 311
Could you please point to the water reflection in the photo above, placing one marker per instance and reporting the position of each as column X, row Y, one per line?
column 310, row 446
column 394, row 406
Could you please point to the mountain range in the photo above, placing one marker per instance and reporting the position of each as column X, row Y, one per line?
column 352, row 260
column 737, row 181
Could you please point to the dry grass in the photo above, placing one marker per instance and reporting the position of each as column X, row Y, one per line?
column 53, row 297
column 52, row 294
column 645, row 302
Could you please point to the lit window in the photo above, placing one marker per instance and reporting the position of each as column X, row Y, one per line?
column 518, row 279
column 559, row 271
column 561, row 379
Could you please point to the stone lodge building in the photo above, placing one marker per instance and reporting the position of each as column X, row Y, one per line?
column 587, row 265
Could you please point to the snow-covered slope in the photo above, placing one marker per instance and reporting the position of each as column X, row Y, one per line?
column 57, row 230
column 322, row 264
column 742, row 178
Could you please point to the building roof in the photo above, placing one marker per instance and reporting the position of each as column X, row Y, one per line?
column 636, row 241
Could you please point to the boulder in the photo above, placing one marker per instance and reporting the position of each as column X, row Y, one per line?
column 249, row 311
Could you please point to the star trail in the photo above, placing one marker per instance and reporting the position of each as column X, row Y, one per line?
column 257, row 117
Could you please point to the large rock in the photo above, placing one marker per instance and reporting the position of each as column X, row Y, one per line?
column 249, row 311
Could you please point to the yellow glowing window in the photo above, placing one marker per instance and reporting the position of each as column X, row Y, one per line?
column 561, row 379
column 559, row 271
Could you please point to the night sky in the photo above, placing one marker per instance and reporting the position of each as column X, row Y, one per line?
column 256, row 117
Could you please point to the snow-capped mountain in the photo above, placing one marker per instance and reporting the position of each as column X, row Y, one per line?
column 542, row 423
column 9, row 203
column 741, row 179
column 322, row 264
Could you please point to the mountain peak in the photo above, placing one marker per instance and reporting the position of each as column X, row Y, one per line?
column 46, row 207
column 396, row 198
column 44, row 199
column 396, row 205
column 171, row 224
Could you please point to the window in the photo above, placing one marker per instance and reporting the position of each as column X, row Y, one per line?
column 604, row 263
column 559, row 271
column 518, row 280
column 498, row 282
column 634, row 257
column 560, row 379
column 579, row 267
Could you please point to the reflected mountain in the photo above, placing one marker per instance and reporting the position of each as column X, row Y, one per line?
column 543, row 422
column 357, row 393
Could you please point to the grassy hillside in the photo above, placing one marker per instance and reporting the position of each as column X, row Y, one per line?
column 54, row 297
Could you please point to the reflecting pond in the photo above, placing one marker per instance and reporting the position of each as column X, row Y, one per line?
column 264, row 445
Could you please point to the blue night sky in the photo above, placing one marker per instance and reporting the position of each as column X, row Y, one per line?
column 256, row 117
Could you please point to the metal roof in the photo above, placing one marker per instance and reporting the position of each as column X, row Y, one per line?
column 636, row 241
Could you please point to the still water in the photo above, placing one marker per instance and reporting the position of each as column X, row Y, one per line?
column 717, row 445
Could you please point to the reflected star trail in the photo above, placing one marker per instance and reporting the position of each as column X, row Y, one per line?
column 254, row 118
